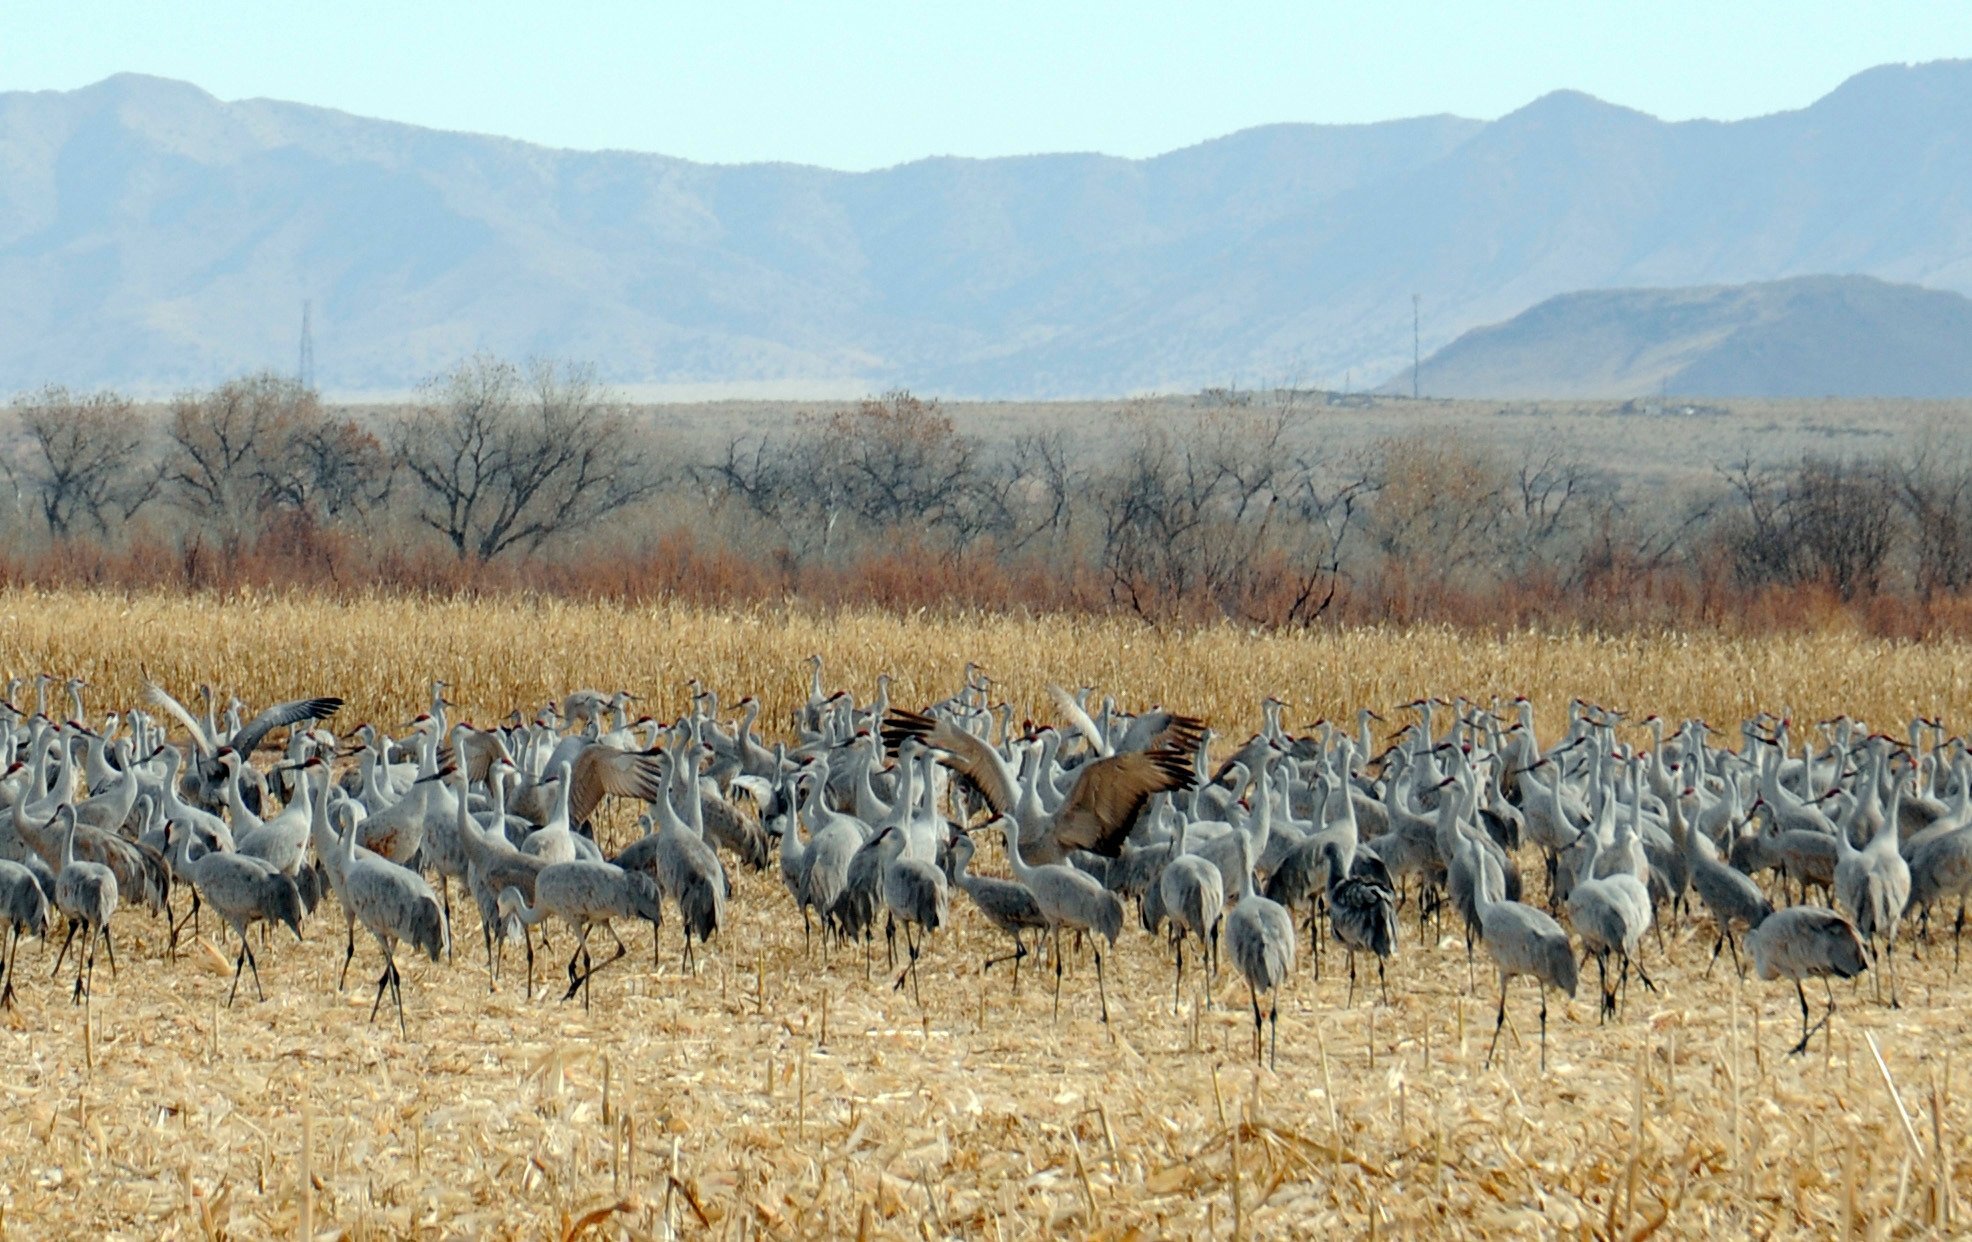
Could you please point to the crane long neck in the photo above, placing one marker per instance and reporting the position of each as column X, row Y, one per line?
column 1010, row 829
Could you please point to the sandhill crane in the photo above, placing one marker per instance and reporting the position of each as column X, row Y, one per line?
column 1260, row 940
column 685, row 868
column 1940, row 869
column 85, row 892
column 1069, row 898
column 1727, row 893
column 1521, row 941
column 914, row 894
column 1803, row 942
column 583, row 894
column 1100, row 808
column 1191, row 893
column 492, row 866
column 244, row 890
column 1362, row 913
column 1610, row 914
column 1873, row 885
column 1006, row 904
column 24, row 907
column 394, row 904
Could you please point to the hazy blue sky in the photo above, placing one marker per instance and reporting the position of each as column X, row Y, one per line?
column 868, row 84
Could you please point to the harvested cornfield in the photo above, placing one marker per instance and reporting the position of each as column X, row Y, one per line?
column 787, row 1090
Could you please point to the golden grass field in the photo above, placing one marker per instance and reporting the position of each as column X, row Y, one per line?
column 777, row 1093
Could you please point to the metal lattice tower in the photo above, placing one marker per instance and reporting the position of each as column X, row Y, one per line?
column 304, row 371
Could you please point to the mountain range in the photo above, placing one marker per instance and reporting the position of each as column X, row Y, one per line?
column 152, row 236
column 1810, row 336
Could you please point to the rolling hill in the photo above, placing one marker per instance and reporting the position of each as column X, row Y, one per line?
column 1812, row 336
column 153, row 236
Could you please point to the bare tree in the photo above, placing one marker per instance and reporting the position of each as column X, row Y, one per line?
column 502, row 458
column 84, row 459
column 1224, row 509
column 1936, row 489
column 229, row 451
column 331, row 470
column 1440, row 506
column 894, row 462
column 1822, row 520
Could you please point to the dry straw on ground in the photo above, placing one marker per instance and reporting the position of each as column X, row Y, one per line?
column 777, row 1093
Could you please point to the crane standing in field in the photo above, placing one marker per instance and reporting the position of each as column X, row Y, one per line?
column 584, row 894
column 1807, row 942
column 1006, row 905
column 1260, row 941
column 244, row 890
column 394, row 904
column 23, row 908
column 1068, row 898
column 85, row 892
column 1521, row 941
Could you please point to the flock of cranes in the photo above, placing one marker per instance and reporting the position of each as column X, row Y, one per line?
column 1548, row 856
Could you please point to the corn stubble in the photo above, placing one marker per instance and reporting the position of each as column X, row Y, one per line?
column 782, row 1095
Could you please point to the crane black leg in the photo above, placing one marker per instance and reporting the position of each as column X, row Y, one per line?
column 66, row 941
column 1802, row 994
column 1057, row 974
column 1351, row 1004
column 1255, row 998
column 1381, row 986
column 397, row 994
column 1543, row 988
column 1102, row 992
column 1499, row 1021
column 1178, row 981
column 383, row 981
column 1273, row 1032
column 349, row 951
column 109, row 946
column 239, row 964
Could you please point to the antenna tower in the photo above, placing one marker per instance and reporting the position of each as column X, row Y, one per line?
column 304, row 371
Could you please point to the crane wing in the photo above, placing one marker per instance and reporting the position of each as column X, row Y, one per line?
column 163, row 700
column 963, row 753
column 1073, row 713
column 280, row 716
column 482, row 749
column 1109, row 794
column 602, row 769
column 1158, row 729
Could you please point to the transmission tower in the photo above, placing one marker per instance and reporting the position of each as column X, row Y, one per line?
column 304, row 371
column 1414, row 357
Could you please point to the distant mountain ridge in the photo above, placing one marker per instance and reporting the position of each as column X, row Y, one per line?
column 1810, row 336
column 152, row 236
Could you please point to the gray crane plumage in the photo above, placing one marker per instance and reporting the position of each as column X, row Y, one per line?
column 395, row 904
column 1006, row 905
column 243, row 890
column 1191, row 894
column 1068, row 898
column 23, row 908
column 1807, row 942
column 1521, row 941
column 1362, row 915
column 1259, row 939
column 86, row 893
column 584, row 894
